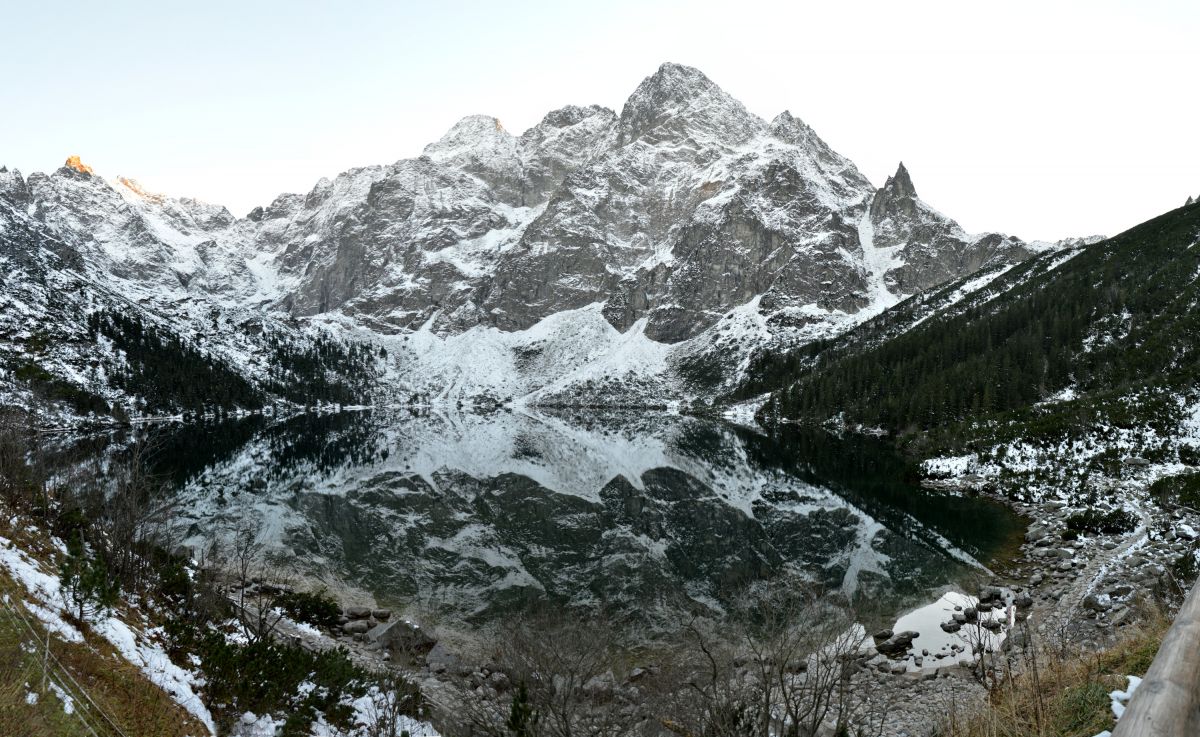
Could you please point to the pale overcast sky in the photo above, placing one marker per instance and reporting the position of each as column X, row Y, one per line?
column 1042, row 119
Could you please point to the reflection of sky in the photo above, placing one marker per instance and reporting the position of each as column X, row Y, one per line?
column 927, row 620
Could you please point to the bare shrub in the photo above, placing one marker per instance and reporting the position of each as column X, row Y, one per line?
column 783, row 666
column 558, row 680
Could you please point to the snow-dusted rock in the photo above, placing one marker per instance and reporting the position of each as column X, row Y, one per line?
column 685, row 217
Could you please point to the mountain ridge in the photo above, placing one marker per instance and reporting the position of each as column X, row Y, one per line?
column 700, row 232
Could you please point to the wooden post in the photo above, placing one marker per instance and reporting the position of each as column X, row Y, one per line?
column 1167, row 703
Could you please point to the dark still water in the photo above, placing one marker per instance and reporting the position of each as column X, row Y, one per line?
column 645, row 518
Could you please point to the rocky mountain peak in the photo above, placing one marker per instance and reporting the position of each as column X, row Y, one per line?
column 480, row 146
column 897, row 196
column 900, row 184
column 788, row 127
column 679, row 102
column 560, row 144
column 74, row 162
column 678, row 78
column 572, row 115
column 11, row 180
column 791, row 130
column 1190, row 201
column 472, row 134
column 135, row 187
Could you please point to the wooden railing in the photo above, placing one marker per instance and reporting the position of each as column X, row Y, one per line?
column 1167, row 703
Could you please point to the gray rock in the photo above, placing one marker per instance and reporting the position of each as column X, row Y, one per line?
column 600, row 687
column 358, row 612
column 1120, row 591
column 356, row 627
column 1035, row 533
column 439, row 659
column 406, row 641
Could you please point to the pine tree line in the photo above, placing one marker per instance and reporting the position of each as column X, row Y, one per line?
column 167, row 373
column 1120, row 316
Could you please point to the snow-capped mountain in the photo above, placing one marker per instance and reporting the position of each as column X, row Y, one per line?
column 595, row 254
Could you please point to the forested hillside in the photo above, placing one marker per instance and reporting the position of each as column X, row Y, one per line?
column 1096, row 325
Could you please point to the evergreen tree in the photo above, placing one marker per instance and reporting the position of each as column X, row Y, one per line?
column 523, row 718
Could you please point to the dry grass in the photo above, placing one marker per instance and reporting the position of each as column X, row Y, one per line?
column 137, row 706
column 1060, row 692
column 20, row 674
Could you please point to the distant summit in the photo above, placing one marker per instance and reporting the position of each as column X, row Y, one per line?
column 74, row 162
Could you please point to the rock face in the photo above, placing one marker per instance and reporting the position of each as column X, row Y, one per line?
column 680, row 208
column 924, row 248
column 677, row 210
column 684, row 215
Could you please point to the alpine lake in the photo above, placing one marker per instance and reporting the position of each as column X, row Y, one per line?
column 644, row 519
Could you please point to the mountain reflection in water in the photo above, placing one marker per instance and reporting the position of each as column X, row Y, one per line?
column 643, row 517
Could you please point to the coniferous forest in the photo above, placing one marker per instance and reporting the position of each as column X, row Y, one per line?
column 1117, row 318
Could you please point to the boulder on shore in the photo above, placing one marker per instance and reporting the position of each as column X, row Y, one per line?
column 356, row 627
column 404, row 639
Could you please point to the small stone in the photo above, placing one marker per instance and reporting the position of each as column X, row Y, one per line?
column 1121, row 617
column 600, row 686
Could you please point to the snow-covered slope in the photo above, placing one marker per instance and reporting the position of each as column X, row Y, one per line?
column 595, row 254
